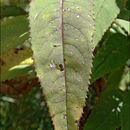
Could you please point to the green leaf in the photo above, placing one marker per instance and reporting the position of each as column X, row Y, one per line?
column 113, row 53
column 105, row 13
column 109, row 107
column 106, row 114
column 62, row 41
column 125, row 119
column 124, row 24
column 14, row 32
column 11, row 11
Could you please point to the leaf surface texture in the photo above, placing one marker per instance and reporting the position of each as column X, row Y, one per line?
column 61, row 34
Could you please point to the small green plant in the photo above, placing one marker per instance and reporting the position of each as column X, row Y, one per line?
column 77, row 51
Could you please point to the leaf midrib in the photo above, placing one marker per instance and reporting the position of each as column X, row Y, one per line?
column 62, row 41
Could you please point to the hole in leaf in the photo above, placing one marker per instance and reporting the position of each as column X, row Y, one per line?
column 61, row 67
column 55, row 46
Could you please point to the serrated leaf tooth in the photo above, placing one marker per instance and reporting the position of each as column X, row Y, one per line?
column 88, row 82
column 92, row 56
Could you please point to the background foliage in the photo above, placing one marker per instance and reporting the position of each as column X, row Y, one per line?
column 107, row 107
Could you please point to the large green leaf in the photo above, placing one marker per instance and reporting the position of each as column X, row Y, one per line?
column 14, row 32
column 113, row 53
column 105, row 13
column 125, row 114
column 61, row 41
column 106, row 114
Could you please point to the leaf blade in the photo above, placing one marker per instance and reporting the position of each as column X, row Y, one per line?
column 65, row 64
